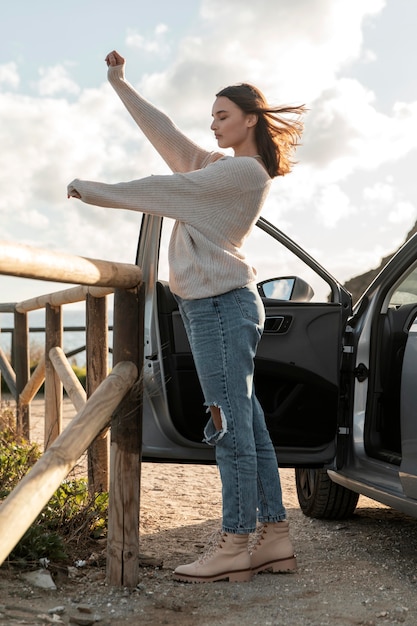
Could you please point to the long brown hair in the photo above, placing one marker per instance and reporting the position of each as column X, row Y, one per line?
column 276, row 137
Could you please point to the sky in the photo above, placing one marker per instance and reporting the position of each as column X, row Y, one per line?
column 352, row 197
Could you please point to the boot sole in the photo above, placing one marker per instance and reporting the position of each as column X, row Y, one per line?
column 239, row 576
column 288, row 564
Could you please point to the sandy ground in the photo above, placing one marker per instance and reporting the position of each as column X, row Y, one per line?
column 357, row 572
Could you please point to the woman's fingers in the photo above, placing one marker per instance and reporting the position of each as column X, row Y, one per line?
column 114, row 58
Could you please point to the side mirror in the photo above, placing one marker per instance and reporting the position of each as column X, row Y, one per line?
column 286, row 288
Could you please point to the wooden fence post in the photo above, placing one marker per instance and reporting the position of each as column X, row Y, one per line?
column 0, row 375
column 21, row 368
column 25, row 502
column 97, row 357
column 126, row 443
column 53, row 385
column 8, row 373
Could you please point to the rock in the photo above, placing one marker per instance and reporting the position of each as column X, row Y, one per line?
column 147, row 560
column 82, row 619
column 57, row 610
column 84, row 616
column 40, row 578
column 50, row 619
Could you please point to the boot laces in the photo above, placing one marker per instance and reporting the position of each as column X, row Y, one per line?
column 213, row 543
column 256, row 538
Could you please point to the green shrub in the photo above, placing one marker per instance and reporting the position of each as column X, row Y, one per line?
column 72, row 518
column 17, row 455
column 74, row 513
column 37, row 544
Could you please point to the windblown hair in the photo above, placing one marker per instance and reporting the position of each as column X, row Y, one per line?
column 276, row 136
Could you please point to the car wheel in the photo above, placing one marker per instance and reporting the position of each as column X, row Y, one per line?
column 321, row 498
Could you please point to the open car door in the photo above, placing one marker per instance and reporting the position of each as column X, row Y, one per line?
column 297, row 367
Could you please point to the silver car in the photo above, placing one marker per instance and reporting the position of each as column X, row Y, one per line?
column 338, row 385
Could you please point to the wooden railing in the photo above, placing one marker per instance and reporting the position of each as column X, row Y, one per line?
column 114, row 400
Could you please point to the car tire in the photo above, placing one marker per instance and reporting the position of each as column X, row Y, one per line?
column 321, row 498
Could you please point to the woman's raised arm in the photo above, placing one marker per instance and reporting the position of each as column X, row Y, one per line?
column 178, row 151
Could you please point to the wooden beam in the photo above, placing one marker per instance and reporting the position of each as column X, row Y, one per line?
column 8, row 373
column 53, row 385
column 59, row 298
column 19, row 510
column 125, row 447
column 72, row 385
column 22, row 370
column 34, row 383
column 30, row 262
column 97, row 354
column 7, row 307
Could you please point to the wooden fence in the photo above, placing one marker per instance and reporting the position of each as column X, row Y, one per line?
column 113, row 400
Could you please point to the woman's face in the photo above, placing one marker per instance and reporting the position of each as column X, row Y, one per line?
column 231, row 126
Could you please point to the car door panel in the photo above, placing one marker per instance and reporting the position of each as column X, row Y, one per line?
column 297, row 366
column 295, row 375
column 408, row 467
column 310, row 342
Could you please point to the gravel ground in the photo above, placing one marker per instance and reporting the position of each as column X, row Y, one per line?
column 357, row 572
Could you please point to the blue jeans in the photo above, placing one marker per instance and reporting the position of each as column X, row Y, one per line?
column 224, row 332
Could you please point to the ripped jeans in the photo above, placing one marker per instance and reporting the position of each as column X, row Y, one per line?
column 224, row 332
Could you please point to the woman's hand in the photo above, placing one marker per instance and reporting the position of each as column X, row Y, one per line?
column 72, row 191
column 114, row 58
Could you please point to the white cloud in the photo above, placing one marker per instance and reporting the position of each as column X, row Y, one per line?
column 9, row 75
column 345, row 132
column 402, row 212
column 380, row 192
column 34, row 219
column 337, row 202
column 293, row 52
column 333, row 205
column 156, row 44
column 299, row 47
column 56, row 80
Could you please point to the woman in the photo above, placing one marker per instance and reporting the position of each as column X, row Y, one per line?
column 215, row 201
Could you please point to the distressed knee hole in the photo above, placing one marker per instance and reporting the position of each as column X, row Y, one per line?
column 216, row 427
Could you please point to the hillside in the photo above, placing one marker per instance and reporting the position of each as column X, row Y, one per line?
column 358, row 284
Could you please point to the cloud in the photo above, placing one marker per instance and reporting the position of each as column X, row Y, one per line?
column 299, row 47
column 401, row 212
column 9, row 75
column 56, row 80
column 295, row 52
column 156, row 44
column 332, row 205
column 345, row 132
column 380, row 192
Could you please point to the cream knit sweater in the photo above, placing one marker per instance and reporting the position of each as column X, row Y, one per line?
column 214, row 199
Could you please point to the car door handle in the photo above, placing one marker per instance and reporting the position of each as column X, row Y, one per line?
column 277, row 324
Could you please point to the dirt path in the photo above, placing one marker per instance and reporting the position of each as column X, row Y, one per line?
column 359, row 572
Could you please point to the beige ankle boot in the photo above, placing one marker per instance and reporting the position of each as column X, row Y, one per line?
column 273, row 550
column 228, row 559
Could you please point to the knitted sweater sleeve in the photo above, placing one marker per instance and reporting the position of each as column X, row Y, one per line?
column 189, row 197
column 178, row 151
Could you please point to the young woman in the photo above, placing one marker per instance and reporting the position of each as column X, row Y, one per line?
column 215, row 201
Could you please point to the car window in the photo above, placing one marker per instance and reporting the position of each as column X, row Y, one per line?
column 270, row 258
column 405, row 291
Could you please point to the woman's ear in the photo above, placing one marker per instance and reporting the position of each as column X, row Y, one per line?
column 251, row 120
